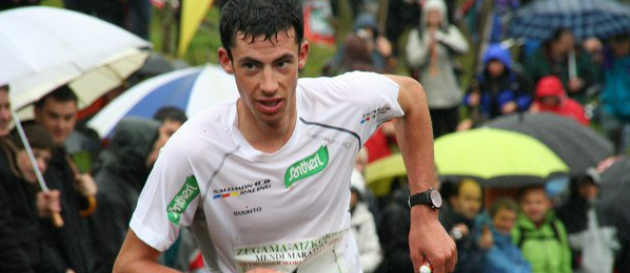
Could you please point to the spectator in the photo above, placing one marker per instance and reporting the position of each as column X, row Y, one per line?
column 120, row 174
column 503, row 256
column 431, row 49
column 363, row 227
column 593, row 244
column 615, row 96
column 541, row 237
column 460, row 219
column 56, row 113
column 394, row 239
column 22, row 248
column 555, row 58
column 550, row 97
column 369, row 50
column 499, row 89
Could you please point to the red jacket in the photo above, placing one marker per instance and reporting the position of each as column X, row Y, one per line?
column 551, row 86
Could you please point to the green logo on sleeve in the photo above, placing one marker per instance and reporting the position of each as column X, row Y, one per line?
column 182, row 199
column 306, row 167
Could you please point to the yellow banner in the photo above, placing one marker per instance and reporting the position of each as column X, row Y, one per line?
column 193, row 12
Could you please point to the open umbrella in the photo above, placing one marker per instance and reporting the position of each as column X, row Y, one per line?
column 578, row 146
column 192, row 90
column 496, row 158
column 585, row 18
column 42, row 48
column 615, row 190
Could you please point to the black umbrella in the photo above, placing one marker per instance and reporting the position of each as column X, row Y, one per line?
column 577, row 145
column 615, row 193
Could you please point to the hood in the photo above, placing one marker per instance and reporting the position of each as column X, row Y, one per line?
column 131, row 143
column 550, row 86
column 366, row 20
column 497, row 52
column 438, row 5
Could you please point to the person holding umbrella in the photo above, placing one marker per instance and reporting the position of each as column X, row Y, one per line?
column 56, row 113
column 559, row 56
column 264, row 179
column 21, row 246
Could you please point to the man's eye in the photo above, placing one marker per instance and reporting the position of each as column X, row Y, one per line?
column 249, row 65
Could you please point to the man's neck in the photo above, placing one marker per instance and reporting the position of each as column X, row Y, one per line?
column 264, row 137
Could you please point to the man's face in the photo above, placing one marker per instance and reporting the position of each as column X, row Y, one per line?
column 564, row 43
column 504, row 220
column 42, row 156
column 535, row 205
column 5, row 112
column 167, row 129
column 496, row 68
column 266, row 73
column 468, row 200
column 58, row 118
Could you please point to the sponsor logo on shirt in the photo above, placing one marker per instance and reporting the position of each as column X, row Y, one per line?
column 247, row 211
column 306, row 167
column 182, row 199
column 328, row 139
column 235, row 191
column 368, row 116
column 280, row 255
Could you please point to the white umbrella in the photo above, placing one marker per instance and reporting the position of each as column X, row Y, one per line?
column 42, row 48
column 192, row 90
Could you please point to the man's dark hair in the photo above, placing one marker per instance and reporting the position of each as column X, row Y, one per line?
column 172, row 113
column 5, row 88
column 260, row 17
column 38, row 138
column 526, row 189
column 61, row 94
column 503, row 203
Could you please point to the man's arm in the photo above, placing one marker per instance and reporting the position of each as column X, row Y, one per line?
column 136, row 256
column 427, row 238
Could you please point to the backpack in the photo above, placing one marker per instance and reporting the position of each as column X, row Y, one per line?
column 523, row 235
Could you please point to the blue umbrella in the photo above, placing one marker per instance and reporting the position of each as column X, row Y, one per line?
column 192, row 90
column 585, row 18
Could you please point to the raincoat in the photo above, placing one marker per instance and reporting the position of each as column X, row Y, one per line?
column 546, row 248
column 551, row 86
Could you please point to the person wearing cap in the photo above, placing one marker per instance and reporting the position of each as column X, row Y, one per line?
column 593, row 242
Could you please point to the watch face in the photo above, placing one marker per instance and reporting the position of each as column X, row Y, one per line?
column 436, row 198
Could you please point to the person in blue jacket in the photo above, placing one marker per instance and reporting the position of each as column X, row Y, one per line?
column 502, row 256
column 499, row 89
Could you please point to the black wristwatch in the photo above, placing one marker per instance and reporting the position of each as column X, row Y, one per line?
column 431, row 198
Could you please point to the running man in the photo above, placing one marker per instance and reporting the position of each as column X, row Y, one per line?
column 264, row 180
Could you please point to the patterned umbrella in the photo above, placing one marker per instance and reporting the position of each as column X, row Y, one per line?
column 585, row 18
column 192, row 90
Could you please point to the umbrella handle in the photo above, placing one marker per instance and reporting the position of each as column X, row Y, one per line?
column 57, row 220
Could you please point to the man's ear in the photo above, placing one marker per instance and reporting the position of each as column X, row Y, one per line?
column 225, row 61
column 303, row 54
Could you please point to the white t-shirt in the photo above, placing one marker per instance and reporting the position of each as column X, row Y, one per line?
column 285, row 210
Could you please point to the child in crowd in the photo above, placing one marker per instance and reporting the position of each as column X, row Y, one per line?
column 502, row 256
column 458, row 218
column 539, row 234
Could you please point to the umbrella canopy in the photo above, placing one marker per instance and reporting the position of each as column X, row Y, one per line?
column 191, row 90
column 615, row 191
column 42, row 48
column 380, row 174
column 577, row 145
column 585, row 18
column 496, row 157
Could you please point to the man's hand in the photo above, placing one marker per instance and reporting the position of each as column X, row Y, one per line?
column 48, row 203
column 429, row 241
column 575, row 85
column 509, row 108
column 262, row 270
column 86, row 185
